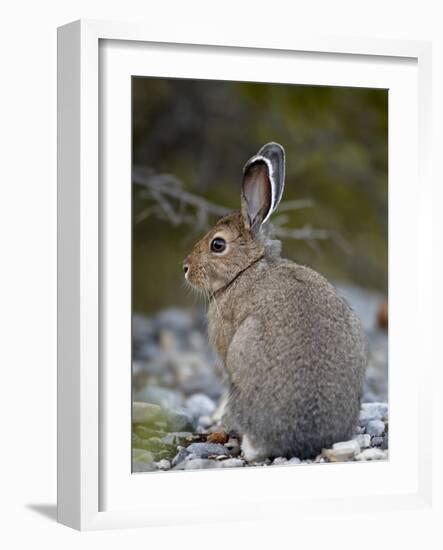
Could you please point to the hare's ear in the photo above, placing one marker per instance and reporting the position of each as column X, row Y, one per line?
column 263, row 183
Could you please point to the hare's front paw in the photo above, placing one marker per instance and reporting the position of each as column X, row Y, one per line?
column 250, row 452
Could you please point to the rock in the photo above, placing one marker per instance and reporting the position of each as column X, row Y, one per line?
column 195, row 373
column 142, row 328
column 163, row 464
column 165, row 398
column 218, row 437
column 197, row 341
column 176, row 438
column 374, row 453
column 155, row 446
column 167, row 340
column 377, row 441
column 364, row 440
column 146, row 413
column 205, row 422
column 182, row 455
column 372, row 411
column 341, row 451
column 204, row 450
column 142, row 455
column 294, row 460
column 359, row 430
column 174, row 320
column 182, row 420
column 232, row 463
column 142, row 467
column 375, row 427
column 200, row 404
column 351, row 446
column 279, row 461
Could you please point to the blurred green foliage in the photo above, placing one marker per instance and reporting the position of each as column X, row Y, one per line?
column 202, row 132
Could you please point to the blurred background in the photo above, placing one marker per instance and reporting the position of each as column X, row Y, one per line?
column 191, row 139
column 202, row 133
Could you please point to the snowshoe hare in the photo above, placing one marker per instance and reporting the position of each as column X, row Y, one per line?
column 294, row 351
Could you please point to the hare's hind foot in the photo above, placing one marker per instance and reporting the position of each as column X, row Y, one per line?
column 250, row 452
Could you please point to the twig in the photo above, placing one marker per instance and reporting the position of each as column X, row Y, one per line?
column 180, row 207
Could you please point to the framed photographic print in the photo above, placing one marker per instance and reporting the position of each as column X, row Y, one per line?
column 235, row 217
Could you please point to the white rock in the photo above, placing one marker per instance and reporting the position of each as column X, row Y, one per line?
column 364, row 440
column 163, row 464
column 373, row 411
column 375, row 427
column 200, row 405
column 279, row 461
column 205, row 421
column 341, row 451
column 374, row 453
column 294, row 460
column 351, row 446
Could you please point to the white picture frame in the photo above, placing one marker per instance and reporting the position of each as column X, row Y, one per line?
column 84, row 211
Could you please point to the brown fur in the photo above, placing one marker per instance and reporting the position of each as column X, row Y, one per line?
column 294, row 351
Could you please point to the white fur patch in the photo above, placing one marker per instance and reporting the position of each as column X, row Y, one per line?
column 220, row 410
column 250, row 452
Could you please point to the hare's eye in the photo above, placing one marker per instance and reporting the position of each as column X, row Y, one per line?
column 218, row 245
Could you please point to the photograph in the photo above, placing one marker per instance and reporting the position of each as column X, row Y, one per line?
column 259, row 274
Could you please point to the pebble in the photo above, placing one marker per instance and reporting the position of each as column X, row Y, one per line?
column 343, row 450
column 374, row 453
column 372, row 411
column 175, row 438
column 217, row 437
column 364, row 440
column 182, row 455
column 183, row 420
column 200, row 405
column 167, row 340
column 142, row 327
column 204, row 450
column 205, row 421
column 375, row 427
column 163, row 464
column 294, row 460
column 174, row 319
column 377, row 441
column 165, row 398
column 279, row 461
column 145, row 413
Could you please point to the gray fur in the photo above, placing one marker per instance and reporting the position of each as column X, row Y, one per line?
column 294, row 351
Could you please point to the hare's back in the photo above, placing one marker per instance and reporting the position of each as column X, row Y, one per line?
column 302, row 310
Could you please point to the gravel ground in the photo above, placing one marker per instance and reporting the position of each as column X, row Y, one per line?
column 177, row 383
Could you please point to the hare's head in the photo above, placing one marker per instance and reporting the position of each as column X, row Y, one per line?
column 238, row 240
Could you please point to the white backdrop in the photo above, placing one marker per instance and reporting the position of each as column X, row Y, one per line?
column 28, row 266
